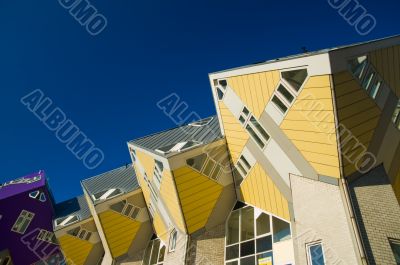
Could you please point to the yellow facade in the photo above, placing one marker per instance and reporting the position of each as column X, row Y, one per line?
column 147, row 162
column 160, row 228
column 198, row 196
column 387, row 63
column 360, row 116
column 75, row 249
column 310, row 125
column 259, row 190
column 236, row 136
column 255, row 90
column 119, row 230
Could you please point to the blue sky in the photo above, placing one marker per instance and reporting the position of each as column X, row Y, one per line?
column 109, row 84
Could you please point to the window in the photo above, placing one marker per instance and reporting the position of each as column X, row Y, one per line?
column 5, row 260
column 158, row 169
column 23, row 221
column 80, row 233
column 206, row 165
column 395, row 245
column 295, row 78
column 64, row 221
column 221, row 86
column 202, row 122
column 315, row 254
column 172, row 240
column 396, row 116
column 42, row 197
column 47, row 236
column 281, row 230
column 34, row 194
column 127, row 209
column 133, row 154
column 285, row 94
column 179, row 147
column 254, row 128
column 357, row 66
column 107, row 194
column 154, row 253
column 281, row 106
column 248, row 237
column 242, row 167
column 283, row 97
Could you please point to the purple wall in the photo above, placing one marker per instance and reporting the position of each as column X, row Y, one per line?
column 26, row 249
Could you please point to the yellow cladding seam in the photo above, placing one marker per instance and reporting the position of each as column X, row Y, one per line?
column 236, row 136
column 170, row 197
column 360, row 117
column 75, row 250
column 147, row 162
column 255, row 90
column 310, row 125
column 387, row 63
column 160, row 228
column 259, row 190
column 119, row 230
column 198, row 195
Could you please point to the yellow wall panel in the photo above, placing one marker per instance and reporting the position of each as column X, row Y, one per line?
column 76, row 250
column 147, row 162
column 387, row 63
column 160, row 228
column 259, row 190
column 143, row 184
column 169, row 195
column 310, row 125
column 255, row 90
column 357, row 112
column 236, row 136
column 120, row 231
column 197, row 200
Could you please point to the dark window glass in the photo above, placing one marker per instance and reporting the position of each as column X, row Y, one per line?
column 281, row 229
column 264, row 244
column 233, row 228
column 289, row 97
column 247, row 224
column 263, row 224
column 247, row 261
column 279, row 104
column 247, row 248
column 358, row 65
column 232, row 252
column 316, row 255
column 260, row 129
column 220, row 94
column 197, row 162
column 396, row 250
column 232, row 263
column 154, row 254
column 255, row 136
column 295, row 78
column 162, row 254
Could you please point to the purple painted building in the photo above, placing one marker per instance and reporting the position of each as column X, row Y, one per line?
column 26, row 214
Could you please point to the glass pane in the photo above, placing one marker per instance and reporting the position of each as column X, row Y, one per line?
column 232, row 252
column 128, row 209
column 197, row 162
column 246, row 111
column 263, row 224
column 232, row 263
column 279, row 104
column 147, row 254
column 281, row 230
column 247, row 224
column 247, row 248
column 233, row 228
column 237, row 175
column 154, row 254
column 220, row 94
column 245, row 162
column 396, row 251
column 42, row 197
column 357, row 66
column 264, row 244
column 260, row 129
column 255, row 136
column 295, row 78
column 210, row 165
column 285, row 93
column 162, row 254
column 368, row 80
column 88, row 235
column 24, row 226
column 135, row 213
column 215, row 173
column 247, row 261
column 396, row 113
column 375, row 89
column 316, row 255
column 264, row 258
column 118, row 207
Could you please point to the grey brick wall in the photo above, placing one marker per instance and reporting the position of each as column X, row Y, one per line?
column 207, row 247
column 378, row 214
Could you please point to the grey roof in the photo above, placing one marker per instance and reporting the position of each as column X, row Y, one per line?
column 123, row 178
column 76, row 206
column 306, row 54
column 205, row 134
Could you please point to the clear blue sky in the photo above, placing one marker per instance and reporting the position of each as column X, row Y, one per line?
column 108, row 85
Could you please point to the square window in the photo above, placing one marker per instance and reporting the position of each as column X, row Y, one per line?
column 247, row 248
column 285, row 93
column 248, row 261
column 264, row 244
column 22, row 222
column 281, row 230
column 232, row 252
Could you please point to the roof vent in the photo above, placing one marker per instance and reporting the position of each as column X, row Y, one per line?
column 179, row 147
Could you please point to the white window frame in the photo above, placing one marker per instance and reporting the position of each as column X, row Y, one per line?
column 24, row 217
column 133, row 154
column 158, row 171
column 217, row 167
column 241, row 163
column 173, row 239
column 219, row 86
column 44, row 235
column 106, row 195
column 308, row 248
column 246, row 122
column 288, row 85
column 81, row 233
column 36, row 194
column 66, row 221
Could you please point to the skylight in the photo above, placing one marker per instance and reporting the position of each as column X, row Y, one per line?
column 107, row 194
column 67, row 220
column 178, row 147
column 202, row 122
